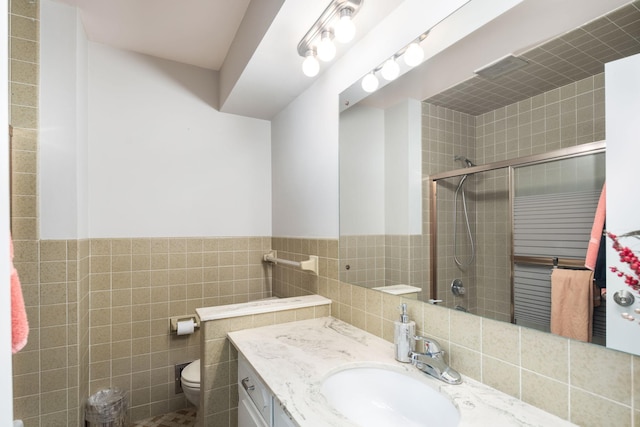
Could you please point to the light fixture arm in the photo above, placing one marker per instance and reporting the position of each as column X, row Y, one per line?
column 418, row 40
column 334, row 9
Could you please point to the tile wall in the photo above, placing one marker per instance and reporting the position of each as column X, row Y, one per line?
column 564, row 117
column 382, row 260
column 362, row 260
column 137, row 284
column 290, row 282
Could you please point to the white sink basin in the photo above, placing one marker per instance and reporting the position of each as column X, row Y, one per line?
column 374, row 396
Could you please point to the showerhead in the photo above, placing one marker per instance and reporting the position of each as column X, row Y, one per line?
column 468, row 163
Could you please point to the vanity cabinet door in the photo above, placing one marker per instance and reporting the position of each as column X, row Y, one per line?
column 248, row 414
column 280, row 417
column 249, row 385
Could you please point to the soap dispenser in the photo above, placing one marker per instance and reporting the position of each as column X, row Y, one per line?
column 403, row 333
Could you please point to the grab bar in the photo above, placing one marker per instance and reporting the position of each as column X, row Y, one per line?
column 310, row 265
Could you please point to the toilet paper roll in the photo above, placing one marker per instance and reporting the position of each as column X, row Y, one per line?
column 186, row 327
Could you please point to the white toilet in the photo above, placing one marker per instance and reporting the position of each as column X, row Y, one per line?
column 190, row 379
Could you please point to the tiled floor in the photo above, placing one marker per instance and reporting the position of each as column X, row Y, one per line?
column 181, row 418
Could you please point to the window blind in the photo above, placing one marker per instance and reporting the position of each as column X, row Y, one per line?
column 554, row 225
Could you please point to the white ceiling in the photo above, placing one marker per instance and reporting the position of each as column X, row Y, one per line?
column 194, row 32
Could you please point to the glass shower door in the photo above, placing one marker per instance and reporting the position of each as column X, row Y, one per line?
column 554, row 205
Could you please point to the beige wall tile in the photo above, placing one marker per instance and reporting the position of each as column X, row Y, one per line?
column 464, row 360
column 23, row 206
column 53, row 271
column 616, row 364
column 177, row 245
column 546, row 393
column 322, row 311
column 26, row 385
column 501, row 340
column 465, row 330
column 551, row 355
column 590, row 410
column 23, row 407
column 24, row 8
column 55, row 336
column 501, row 376
column 55, row 379
column 55, row 418
column 53, row 402
column 53, row 293
column 26, row 362
column 53, row 315
column 25, row 229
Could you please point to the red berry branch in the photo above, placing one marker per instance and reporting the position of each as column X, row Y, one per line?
column 627, row 256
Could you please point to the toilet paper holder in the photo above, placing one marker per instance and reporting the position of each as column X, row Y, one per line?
column 173, row 322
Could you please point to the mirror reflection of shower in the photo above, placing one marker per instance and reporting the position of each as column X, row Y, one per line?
column 463, row 198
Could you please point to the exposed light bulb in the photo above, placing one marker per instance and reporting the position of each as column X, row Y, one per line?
column 390, row 69
column 345, row 29
column 310, row 65
column 413, row 55
column 326, row 48
column 370, row 82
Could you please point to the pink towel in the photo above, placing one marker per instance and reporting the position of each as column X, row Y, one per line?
column 572, row 303
column 19, row 323
column 596, row 231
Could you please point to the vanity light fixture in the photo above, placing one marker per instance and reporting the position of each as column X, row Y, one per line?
column 413, row 55
column 335, row 23
column 370, row 82
column 326, row 48
column 310, row 65
column 390, row 70
column 345, row 29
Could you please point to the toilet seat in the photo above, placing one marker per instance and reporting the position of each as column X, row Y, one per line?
column 191, row 375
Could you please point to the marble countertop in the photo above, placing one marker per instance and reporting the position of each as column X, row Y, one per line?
column 260, row 306
column 294, row 358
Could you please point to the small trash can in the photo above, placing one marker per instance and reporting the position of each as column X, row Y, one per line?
column 106, row 408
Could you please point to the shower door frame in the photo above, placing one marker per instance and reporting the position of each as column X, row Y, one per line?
column 510, row 165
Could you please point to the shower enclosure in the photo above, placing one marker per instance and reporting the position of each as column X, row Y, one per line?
column 510, row 243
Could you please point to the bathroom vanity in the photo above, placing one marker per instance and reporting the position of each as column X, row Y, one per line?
column 257, row 407
column 293, row 360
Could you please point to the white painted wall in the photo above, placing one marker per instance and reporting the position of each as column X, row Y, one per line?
column 82, row 131
column 403, row 165
column 623, row 151
column 130, row 146
column 63, row 117
column 362, row 171
column 163, row 161
column 380, row 170
column 6, row 374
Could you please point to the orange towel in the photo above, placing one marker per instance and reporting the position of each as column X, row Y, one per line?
column 572, row 303
column 19, row 323
column 596, row 231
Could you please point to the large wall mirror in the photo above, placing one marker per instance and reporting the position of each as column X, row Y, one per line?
column 442, row 175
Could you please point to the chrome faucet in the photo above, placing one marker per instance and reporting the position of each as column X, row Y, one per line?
column 428, row 356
